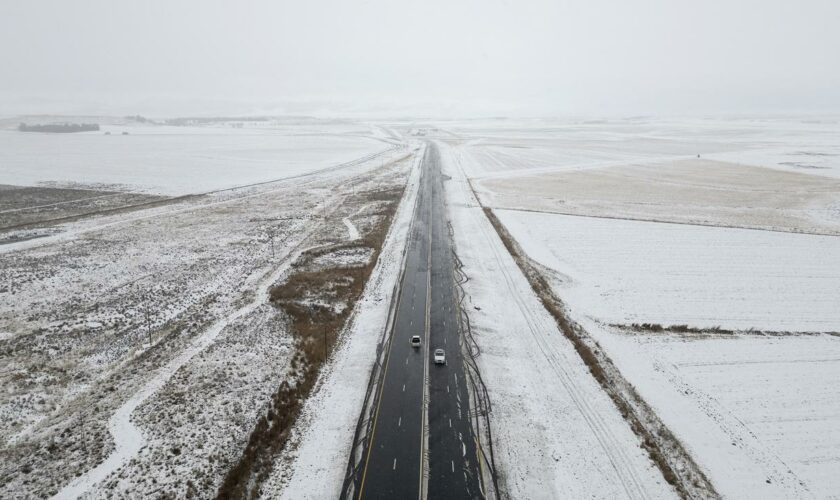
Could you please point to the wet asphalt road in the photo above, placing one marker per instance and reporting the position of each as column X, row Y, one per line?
column 393, row 460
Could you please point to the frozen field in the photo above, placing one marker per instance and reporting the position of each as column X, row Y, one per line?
column 621, row 271
column 511, row 148
column 556, row 434
column 138, row 348
column 760, row 414
column 772, row 174
column 757, row 412
column 179, row 160
column 693, row 191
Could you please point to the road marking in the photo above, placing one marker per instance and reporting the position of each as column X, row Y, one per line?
column 403, row 387
column 450, row 422
column 451, row 462
column 395, row 464
column 406, row 360
column 399, row 422
column 447, row 388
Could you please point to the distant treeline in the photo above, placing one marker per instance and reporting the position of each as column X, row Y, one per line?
column 59, row 127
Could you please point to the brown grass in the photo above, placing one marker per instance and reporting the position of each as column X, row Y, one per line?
column 307, row 297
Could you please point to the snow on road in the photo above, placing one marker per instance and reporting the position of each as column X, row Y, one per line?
column 556, row 433
column 621, row 271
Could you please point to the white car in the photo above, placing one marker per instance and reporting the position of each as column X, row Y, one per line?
column 440, row 357
column 415, row 341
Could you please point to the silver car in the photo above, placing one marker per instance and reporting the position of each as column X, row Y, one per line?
column 440, row 357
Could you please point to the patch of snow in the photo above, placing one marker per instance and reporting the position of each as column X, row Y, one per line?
column 352, row 231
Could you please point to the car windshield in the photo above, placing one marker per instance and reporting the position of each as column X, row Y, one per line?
column 439, row 352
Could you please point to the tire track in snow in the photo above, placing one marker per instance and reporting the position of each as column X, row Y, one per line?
column 352, row 231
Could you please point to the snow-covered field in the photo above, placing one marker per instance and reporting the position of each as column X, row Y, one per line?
column 771, row 174
column 624, row 271
column 758, row 412
column 85, row 395
column 692, row 191
column 179, row 160
column 556, row 433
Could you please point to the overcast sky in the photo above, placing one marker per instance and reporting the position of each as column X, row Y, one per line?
column 431, row 57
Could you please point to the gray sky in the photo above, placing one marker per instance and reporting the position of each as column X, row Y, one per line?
column 431, row 57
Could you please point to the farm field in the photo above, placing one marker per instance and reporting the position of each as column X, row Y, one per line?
column 759, row 414
column 178, row 160
column 624, row 271
column 139, row 348
column 710, row 282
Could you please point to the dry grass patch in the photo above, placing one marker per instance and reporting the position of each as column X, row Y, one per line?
column 318, row 302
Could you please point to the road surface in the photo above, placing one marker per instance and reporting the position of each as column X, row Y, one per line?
column 393, row 464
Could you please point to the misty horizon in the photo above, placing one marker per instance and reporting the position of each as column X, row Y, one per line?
column 470, row 59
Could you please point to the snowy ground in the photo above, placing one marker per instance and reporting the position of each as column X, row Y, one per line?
column 622, row 271
column 757, row 412
column 556, row 433
column 179, row 160
column 691, row 191
column 77, row 310
column 772, row 174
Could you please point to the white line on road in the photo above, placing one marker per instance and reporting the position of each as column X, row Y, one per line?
column 403, row 387
column 450, row 422
column 453, row 465
column 395, row 464
column 399, row 422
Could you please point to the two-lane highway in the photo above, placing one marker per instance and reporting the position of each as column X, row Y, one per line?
column 394, row 457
